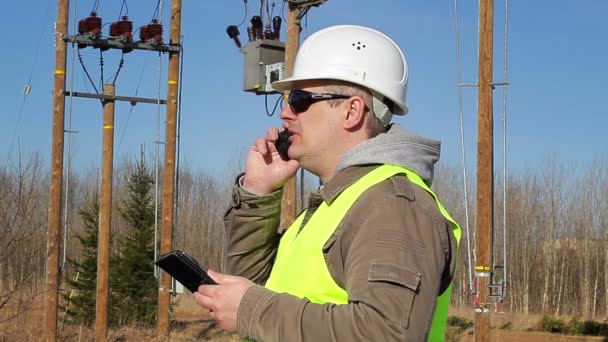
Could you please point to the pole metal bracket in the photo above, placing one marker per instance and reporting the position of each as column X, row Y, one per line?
column 121, row 44
column 104, row 97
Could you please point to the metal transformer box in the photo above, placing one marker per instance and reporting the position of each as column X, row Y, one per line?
column 264, row 64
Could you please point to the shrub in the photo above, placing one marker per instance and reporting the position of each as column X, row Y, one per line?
column 456, row 326
column 460, row 322
column 552, row 324
column 506, row 326
column 574, row 327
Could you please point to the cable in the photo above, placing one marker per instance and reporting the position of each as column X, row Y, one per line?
column 28, row 86
column 246, row 13
column 179, row 115
column 120, row 65
column 157, row 159
column 275, row 105
column 156, row 11
column 283, row 11
column 464, row 160
column 124, row 5
column 504, row 153
column 101, row 68
column 268, row 13
column 261, row 14
column 160, row 11
column 141, row 75
column 272, row 10
column 19, row 115
column 86, row 72
column 69, row 153
column 95, row 6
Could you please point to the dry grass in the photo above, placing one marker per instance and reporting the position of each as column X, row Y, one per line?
column 192, row 323
column 189, row 322
column 520, row 326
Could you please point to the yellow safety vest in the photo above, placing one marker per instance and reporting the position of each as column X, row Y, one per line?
column 303, row 250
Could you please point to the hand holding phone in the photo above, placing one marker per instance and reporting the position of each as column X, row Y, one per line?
column 282, row 144
column 184, row 269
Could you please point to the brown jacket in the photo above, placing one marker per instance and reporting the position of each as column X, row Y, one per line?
column 393, row 253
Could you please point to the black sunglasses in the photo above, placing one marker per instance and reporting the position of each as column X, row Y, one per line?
column 300, row 100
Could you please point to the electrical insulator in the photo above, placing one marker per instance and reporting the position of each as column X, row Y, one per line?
column 156, row 31
column 122, row 28
column 233, row 33
column 258, row 26
column 152, row 33
column 268, row 34
column 251, row 33
column 276, row 25
column 143, row 33
column 27, row 89
column 82, row 26
column 90, row 25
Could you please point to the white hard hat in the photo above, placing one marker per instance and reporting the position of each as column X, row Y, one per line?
column 358, row 55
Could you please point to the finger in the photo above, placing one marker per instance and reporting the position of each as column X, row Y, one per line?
column 261, row 145
column 272, row 134
column 208, row 290
column 220, row 278
column 204, row 301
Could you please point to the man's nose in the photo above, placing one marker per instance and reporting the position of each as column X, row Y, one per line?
column 287, row 114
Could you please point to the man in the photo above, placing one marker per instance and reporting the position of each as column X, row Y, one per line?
column 370, row 256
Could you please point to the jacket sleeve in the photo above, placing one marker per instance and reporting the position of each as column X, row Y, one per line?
column 251, row 224
column 389, row 254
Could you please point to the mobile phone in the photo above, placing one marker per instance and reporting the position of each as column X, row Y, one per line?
column 282, row 144
column 184, row 269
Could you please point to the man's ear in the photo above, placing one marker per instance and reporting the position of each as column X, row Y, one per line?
column 355, row 113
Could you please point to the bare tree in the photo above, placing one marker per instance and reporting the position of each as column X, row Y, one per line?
column 22, row 234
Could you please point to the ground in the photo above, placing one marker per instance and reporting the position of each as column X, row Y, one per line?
column 189, row 322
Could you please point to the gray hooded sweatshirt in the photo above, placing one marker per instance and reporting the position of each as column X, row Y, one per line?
column 397, row 147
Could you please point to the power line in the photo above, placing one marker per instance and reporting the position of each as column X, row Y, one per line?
column 28, row 86
column 86, row 72
column 462, row 145
column 95, row 6
column 101, row 68
column 141, row 75
column 156, row 11
column 124, row 5
column 246, row 13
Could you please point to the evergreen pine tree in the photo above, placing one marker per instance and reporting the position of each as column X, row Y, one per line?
column 133, row 283
column 81, row 306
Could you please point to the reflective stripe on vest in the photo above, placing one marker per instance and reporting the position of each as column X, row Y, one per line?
column 302, row 249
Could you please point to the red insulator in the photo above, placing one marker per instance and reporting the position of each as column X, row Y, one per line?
column 143, row 33
column 82, row 26
column 93, row 24
column 114, row 30
column 155, row 30
column 122, row 28
column 126, row 27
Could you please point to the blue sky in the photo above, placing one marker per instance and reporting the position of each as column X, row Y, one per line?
column 556, row 103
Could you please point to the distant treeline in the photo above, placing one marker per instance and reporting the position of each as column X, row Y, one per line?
column 557, row 230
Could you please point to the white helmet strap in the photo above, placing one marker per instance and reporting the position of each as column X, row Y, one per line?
column 381, row 110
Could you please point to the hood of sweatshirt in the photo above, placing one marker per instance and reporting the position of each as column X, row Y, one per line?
column 397, row 147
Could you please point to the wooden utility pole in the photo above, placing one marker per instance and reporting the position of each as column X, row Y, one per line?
column 54, row 221
column 296, row 10
column 166, row 234
column 105, row 217
column 485, row 169
column 292, row 44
